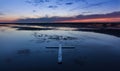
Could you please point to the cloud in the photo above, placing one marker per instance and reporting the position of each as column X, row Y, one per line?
column 34, row 11
column 88, row 5
column 54, row 3
column 36, row 2
column 70, row 3
column 96, row 4
column 1, row 13
column 85, row 1
column 53, row 6
column 108, row 15
column 86, row 12
column 60, row 19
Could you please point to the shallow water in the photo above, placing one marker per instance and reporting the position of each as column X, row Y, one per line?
column 25, row 50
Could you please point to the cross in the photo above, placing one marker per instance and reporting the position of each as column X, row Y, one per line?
column 60, row 51
column 60, row 47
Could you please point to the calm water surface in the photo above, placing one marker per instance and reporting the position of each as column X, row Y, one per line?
column 25, row 50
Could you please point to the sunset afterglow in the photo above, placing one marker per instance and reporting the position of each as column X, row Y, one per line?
column 51, row 10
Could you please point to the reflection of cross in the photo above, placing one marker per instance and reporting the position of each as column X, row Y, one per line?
column 60, row 51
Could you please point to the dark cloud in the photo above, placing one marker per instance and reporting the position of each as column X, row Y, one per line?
column 109, row 15
column 79, row 17
column 76, row 1
column 34, row 11
column 53, row 6
column 70, row 3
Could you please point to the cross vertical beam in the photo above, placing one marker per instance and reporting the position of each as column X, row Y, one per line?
column 60, row 47
column 60, row 54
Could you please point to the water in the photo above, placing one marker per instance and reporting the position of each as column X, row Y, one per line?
column 25, row 50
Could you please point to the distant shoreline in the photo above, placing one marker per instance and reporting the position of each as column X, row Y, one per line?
column 68, row 24
column 106, row 28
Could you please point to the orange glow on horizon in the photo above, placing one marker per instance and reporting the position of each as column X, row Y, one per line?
column 9, row 19
column 12, row 20
column 94, row 20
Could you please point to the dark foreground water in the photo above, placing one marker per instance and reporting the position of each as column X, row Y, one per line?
column 25, row 50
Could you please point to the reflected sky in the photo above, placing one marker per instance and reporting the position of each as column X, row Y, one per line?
column 24, row 50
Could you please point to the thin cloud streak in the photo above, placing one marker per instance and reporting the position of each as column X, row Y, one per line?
column 88, row 5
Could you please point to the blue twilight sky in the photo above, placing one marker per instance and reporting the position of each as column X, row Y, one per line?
column 22, row 9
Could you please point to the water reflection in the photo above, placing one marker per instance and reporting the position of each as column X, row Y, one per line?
column 25, row 50
column 39, row 38
column 110, row 31
column 81, row 60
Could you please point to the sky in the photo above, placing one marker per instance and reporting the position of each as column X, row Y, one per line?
column 42, row 11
